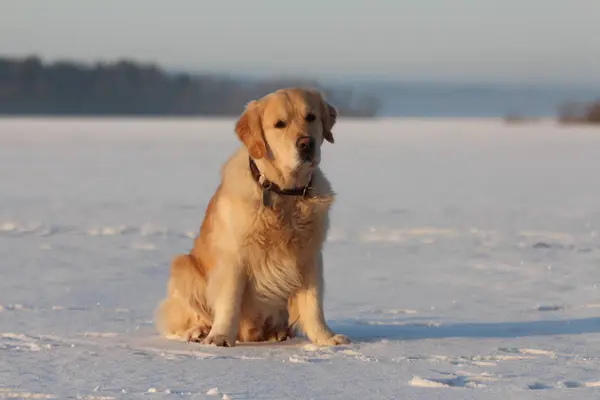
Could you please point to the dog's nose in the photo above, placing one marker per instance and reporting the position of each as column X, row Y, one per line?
column 305, row 144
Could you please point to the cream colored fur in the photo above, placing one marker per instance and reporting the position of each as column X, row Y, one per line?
column 256, row 271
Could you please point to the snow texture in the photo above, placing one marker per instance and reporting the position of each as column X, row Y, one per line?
column 462, row 261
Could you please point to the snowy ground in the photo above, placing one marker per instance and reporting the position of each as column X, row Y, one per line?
column 464, row 261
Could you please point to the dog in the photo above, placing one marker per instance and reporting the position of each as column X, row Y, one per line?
column 255, row 272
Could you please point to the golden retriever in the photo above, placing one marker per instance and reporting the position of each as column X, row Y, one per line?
column 255, row 272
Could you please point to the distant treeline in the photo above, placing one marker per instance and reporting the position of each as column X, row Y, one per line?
column 579, row 112
column 30, row 87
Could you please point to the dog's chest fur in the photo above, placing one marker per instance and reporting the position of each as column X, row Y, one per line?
column 285, row 244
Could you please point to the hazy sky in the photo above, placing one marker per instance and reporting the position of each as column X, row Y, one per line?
column 516, row 40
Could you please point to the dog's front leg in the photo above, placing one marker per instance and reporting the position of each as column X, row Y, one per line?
column 307, row 305
column 226, row 285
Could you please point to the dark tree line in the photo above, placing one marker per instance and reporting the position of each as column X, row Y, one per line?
column 579, row 112
column 30, row 87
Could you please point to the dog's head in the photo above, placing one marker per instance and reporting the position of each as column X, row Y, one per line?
column 286, row 129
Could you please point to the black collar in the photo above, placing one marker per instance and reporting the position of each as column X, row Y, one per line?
column 273, row 187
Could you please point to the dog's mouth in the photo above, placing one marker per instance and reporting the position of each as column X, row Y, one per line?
column 311, row 159
column 304, row 169
column 311, row 162
column 306, row 158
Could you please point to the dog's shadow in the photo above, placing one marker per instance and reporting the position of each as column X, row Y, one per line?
column 368, row 332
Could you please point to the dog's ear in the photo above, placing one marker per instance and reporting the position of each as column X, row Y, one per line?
column 249, row 130
column 329, row 116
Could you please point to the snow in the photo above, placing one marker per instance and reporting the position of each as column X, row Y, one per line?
column 463, row 262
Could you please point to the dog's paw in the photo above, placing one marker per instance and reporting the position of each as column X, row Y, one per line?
column 197, row 333
column 280, row 335
column 218, row 340
column 334, row 340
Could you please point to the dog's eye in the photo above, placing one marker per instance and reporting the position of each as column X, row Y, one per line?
column 310, row 117
column 279, row 124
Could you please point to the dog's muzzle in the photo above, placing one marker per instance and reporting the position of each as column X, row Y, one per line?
column 306, row 147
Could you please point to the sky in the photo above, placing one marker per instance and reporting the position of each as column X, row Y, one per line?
column 446, row 40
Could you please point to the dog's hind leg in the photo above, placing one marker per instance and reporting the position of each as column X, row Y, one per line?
column 183, row 314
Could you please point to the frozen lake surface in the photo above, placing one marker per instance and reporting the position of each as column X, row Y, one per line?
column 463, row 260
